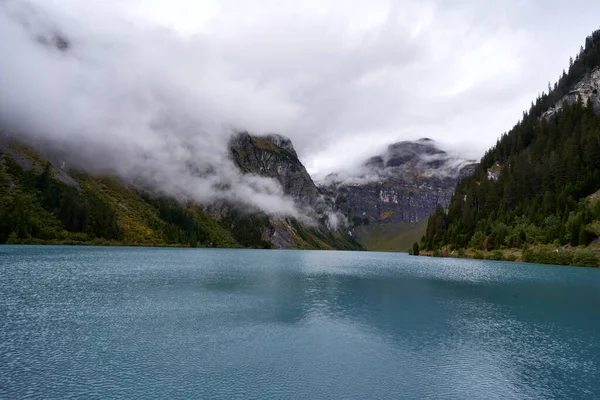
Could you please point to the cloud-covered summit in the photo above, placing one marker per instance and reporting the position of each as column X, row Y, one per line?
column 154, row 88
column 403, row 160
column 137, row 103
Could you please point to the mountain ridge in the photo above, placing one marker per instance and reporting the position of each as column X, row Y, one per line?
column 43, row 201
column 390, row 195
column 533, row 192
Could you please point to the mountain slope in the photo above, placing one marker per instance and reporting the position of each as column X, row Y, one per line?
column 273, row 156
column 389, row 197
column 533, row 188
column 43, row 202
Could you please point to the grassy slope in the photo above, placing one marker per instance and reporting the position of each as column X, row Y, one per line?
column 390, row 237
column 141, row 223
column 310, row 238
column 139, row 220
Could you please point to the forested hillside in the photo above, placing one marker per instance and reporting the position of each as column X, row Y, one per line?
column 536, row 189
column 37, row 206
column 43, row 203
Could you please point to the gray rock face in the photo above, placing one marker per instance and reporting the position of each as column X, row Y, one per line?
column 587, row 88
column 281, row 141
column 467, row 170
column 405, row 184
column 273, row 156
column 393, row 200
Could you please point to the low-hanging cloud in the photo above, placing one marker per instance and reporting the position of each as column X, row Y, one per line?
column 402, row 160
column 140, row 103
column 153, row 88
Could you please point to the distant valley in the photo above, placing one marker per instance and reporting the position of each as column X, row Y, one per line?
column 388, row 198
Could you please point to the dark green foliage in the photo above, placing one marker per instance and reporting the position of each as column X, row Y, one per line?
column 496, row 255
column 531, row 188
column 4, row 183
column 38, row 207
column 23, row 218
column 584, row 258
column 436, row 228
column 80, row 211
column 478, row 255
column 248, row 229
column 183, row 225
column 415, row 249
column 43, row 207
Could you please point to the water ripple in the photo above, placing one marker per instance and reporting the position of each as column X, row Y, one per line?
column 250, row 324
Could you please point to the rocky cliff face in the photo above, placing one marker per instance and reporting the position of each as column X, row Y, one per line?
column 399, row 188
column 273, row 156
column 397, row 199
column 586, row 89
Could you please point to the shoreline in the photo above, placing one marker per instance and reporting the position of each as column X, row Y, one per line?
column 547, row 254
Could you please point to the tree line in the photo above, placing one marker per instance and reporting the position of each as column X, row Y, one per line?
column 533, row 186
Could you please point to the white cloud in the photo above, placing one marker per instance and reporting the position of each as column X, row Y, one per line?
column 342, row 78
column 138, row 103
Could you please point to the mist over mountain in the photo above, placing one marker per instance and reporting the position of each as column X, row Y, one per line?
column 194, row 118
column 44, row 200
column 160, row 115
column 388, row 197
column 119, row 99
column 420, row 158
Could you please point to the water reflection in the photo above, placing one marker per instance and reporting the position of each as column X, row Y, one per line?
column 514, row 331
column 168, row 323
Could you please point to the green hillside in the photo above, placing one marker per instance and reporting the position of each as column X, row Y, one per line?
column 532, row 191
column 42, row 204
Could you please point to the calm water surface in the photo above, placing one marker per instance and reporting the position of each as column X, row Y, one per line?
column 227, row 324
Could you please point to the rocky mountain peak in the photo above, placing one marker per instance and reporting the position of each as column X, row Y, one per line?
column 273, row 156
column 281, row 141
column 422, row 157
column 388, row 197
column 409, row 153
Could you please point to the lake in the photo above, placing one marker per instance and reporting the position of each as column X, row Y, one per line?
column 91, row 322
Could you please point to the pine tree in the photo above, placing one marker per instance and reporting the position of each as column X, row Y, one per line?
column 548, row 166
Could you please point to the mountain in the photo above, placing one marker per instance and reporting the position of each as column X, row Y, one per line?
column 43, row 200
column 388, row 199
column 534, row 195
column 274, row 156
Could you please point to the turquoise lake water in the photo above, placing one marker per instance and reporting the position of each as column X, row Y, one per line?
column 259, row 324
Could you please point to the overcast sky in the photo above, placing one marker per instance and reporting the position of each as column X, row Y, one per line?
column 343, row 78
column 363, row 74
